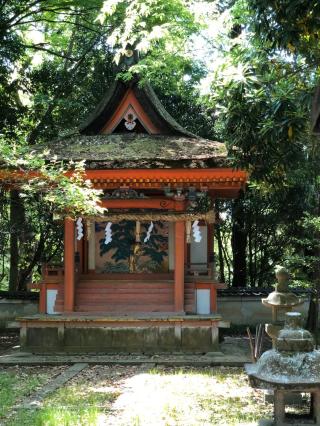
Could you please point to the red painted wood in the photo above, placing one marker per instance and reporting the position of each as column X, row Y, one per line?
column 130, row 99
column 43, row 299
column 179, row 266
column 124, row 297
column 160, row 203
column 224, row 181
column 115, row 277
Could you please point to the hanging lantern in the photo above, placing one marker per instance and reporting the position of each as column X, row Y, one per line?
column 79, row 225
column 196, row 232
column 108, row 233
column 147, row 238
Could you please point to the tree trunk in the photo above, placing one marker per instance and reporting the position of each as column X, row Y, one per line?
column 220, row 254
column 26, row 273
column 239, row 244
column 16, row 222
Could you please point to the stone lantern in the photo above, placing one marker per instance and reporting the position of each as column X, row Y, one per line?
column 293, row 366
column 280, row 301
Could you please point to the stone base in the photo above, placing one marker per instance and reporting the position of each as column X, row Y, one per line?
column 12, row 308
column 76, row 335
column 291, row 398
column 266, row 422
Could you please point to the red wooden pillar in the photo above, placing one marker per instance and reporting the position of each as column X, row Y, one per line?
column 43, row 299
column 69, row 264
column 179, row 266
column 179, row 254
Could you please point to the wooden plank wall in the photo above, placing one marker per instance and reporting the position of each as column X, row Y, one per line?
column 97, row 296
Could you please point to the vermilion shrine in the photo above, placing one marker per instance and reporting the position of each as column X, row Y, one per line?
column 141, row 277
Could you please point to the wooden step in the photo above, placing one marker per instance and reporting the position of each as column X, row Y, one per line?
column 123, row 301
column 124, row 308
column 103, row 291
column 119, row 285
column 131, row 300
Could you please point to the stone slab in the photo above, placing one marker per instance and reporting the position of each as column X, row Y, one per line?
column 212, row 359
column 36, row 399
column 116, row 317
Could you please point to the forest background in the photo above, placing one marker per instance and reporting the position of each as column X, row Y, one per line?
column 239, row 71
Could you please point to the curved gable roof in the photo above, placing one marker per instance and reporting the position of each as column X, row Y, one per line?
column 146, row 97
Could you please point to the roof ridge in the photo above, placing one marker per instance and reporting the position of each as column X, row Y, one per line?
column 164, row 113
column 145, row 95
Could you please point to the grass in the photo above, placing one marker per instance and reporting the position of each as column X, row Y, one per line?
column 56, row 417
column 73, row 404
column 133, row 396
column 16, row 383
column 73, row 396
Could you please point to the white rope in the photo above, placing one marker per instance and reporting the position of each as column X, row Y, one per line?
column 208, row 217
column 147, row 238
column 79, row 225
column 196, row 232
column 108, row 233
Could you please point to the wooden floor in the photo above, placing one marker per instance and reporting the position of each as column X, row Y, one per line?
column 94, row 296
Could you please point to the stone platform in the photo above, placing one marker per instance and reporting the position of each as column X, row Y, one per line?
column 232, row 352
column 145, row 333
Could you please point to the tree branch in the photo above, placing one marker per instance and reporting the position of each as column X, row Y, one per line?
column 39, row 46
column 52, row 21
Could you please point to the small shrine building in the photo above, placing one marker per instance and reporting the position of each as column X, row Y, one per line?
column 142, row 276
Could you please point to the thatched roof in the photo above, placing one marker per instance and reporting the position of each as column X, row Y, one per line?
column 175, row 147
column 140, row 151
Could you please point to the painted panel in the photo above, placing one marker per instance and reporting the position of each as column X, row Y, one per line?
column 203, row 301
column 51, row 300
column 123, row 254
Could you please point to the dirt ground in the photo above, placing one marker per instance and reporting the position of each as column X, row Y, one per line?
column 130, row 395
column 102, row 395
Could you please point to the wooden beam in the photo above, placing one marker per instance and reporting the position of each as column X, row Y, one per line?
column 179, row 243
column 160, row 203
column 226, row 182
column 223, row 175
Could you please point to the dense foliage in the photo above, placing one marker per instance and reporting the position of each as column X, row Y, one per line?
column 57, row 60
column 262, row 61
